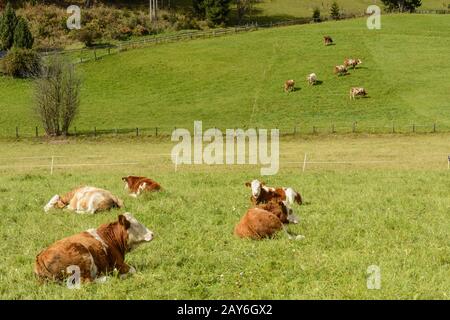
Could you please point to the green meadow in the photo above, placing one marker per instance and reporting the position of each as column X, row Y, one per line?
column 392, row 213
column 236, row 81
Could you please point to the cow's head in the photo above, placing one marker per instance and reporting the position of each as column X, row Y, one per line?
column 54, row 203
column 137, row 232
column 256, row 186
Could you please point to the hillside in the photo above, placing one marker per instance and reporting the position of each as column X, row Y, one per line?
column 236, row 81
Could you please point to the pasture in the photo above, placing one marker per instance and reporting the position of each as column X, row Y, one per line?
column 388, row 205
column 237, row 81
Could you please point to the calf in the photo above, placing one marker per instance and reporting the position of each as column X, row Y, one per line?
column 289, row 85
column 312, row 79
column 340, row 70
column 136, row 185
column 95, row 251
column 264, row 221
column 327, row 40
column 352, row 62
column 263, row 194
column 357, row 92
column 85, row 200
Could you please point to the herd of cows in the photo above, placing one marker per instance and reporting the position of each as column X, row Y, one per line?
column 339, row 70
column 96, row 252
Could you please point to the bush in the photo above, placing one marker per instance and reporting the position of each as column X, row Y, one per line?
column 8, row 22
column 23, row 63
column 140, row 31
column 57, row 96
column 316, row 15
column 22, row 35
column 88, row 35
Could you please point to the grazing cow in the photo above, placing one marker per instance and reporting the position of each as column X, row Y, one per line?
column 85, row 200
column 264, row 221
column 312, row 79
column 289, row 85
column 357, row 92
column 136, row 185
column 263, row 194
column 352, row 62
column 95, row 251
column 340, row 70
column 327, row 40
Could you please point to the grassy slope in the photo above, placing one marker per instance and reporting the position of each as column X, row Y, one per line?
column 236, row 81
column 392, row 215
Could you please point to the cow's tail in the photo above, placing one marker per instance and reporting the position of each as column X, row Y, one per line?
column 298, row 198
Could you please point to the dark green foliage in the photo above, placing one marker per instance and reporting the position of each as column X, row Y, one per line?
column 316, row 15
column 215, row 11
column 402, row 5
column 22, row 35
column 8, row 22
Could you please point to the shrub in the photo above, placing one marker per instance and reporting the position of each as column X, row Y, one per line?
column 23, row 63
column 140, row 31
column 8, row 22
column 57, row 96
column 22, row 35
column 316, row 15
column 88, row 35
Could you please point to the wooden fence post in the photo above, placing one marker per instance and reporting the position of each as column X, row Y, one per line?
column 17, row 132
column 37, row 132
column 393, row 128
column 156, row 131
column 137, row 132
column 75, row 129
column 354, row 127
column 414, row 127
column 434, row 127
column 95, row 131
column 333, row 130
column 295, row 130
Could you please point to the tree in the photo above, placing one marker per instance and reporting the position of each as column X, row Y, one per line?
column 22, row 63
column 22, row 35
column 215, row 11
column 8, row 24
column 316, row 15
column 57, row 96
column 335, row 11
column 243, row 8
column 402, row 5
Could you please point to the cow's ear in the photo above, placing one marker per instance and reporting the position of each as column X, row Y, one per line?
column 248, row 184
column 123, row 221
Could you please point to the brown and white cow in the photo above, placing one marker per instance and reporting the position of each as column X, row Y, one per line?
column 327, row 40
column 352, row 62
column 357, row 92
column 289, row 85
column 264, row 221
column 340, row 70
column 136, row 185
column 263, row 194
column 96, row 252
column 312, row 79
column 85, row 200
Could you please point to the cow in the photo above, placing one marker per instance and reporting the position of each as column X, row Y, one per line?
column 289, row 85
column 263, row 194
column 340, row 70
column 264, row 221
column 312, row 79
column 357, row 92
column 85, row 200
column 327, row 40
column 136, row 185
column 352, row 62
column 94, row 253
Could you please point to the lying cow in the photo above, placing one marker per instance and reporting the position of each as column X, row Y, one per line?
column 327, row 40
column 85, row 200
column 137, row 185
column 264, row 221
column 95, row 252
column 312, row 79
column 289, row 85
column 263, row 194
column 352, row 62
column 340, row 70
column 357, row 92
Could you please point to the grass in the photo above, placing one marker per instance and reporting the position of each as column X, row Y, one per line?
column 236, row 81
column 390, row 214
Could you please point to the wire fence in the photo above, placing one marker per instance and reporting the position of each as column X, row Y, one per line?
column 294, row 130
